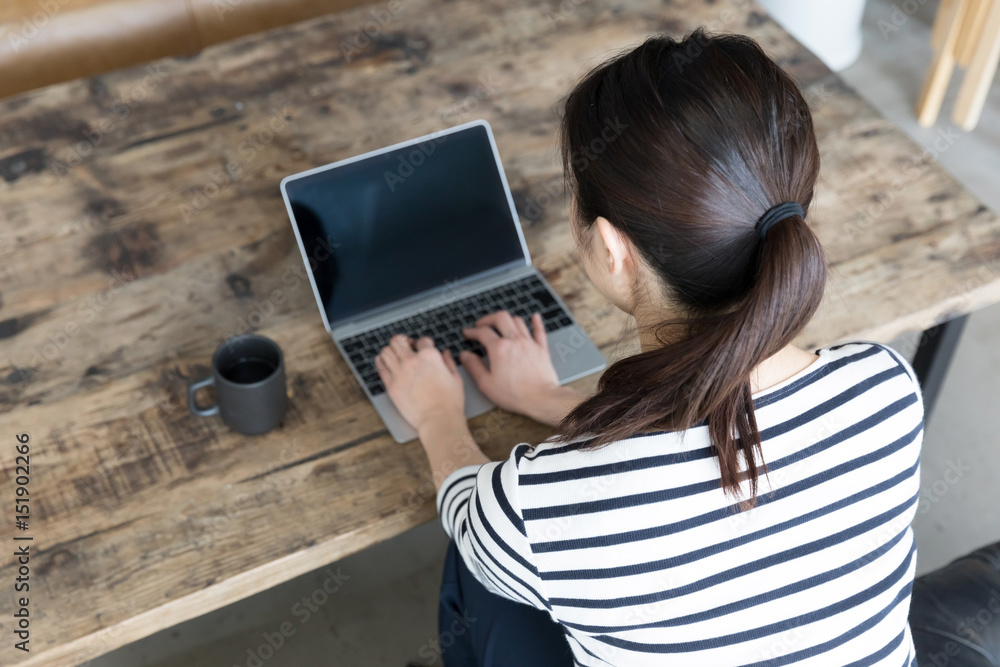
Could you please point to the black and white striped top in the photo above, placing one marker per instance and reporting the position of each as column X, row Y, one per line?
column 636, row 551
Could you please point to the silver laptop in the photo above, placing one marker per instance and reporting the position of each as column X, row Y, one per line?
column 422, row 238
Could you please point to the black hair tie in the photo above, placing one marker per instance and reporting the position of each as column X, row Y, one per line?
column 776, row 214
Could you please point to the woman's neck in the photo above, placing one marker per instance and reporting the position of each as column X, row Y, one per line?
column 780, row 366
column 777, row 368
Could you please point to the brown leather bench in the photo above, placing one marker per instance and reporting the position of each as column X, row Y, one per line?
column 48, row 41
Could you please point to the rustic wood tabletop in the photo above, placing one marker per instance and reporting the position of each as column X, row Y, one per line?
column 142, row 225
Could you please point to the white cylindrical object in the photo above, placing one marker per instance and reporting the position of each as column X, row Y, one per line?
column 829, row 28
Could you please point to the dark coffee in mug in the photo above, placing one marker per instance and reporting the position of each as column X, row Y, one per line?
column 248, row 373
column 247, row 370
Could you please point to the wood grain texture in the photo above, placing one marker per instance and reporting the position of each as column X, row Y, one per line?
column 142, row 225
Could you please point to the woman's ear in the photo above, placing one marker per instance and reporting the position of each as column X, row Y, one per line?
column 613, row 249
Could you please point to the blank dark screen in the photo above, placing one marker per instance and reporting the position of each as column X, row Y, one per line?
column 393, row 225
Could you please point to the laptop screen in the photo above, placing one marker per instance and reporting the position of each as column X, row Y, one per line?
column 396, row 224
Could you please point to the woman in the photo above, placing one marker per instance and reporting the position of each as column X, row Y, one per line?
column 725, row 498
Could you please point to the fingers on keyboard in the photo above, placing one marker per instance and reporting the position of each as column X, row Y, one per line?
column 444, row 324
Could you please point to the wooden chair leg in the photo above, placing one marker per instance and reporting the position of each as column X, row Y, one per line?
column 971, row 32
column 979, row 75
column 943, row 64
column 940, row 28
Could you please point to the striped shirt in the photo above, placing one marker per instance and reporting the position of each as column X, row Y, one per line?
column 638, row 554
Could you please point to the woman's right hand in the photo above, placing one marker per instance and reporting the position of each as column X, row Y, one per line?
column 520, row 377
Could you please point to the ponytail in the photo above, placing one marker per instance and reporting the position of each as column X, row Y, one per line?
column 734, row 124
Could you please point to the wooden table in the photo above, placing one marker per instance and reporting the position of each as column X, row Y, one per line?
column 142, row 225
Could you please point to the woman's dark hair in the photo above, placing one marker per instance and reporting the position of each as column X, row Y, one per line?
column 682, row 146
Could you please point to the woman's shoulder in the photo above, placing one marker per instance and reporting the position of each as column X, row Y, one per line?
column 868, row 356
column 867, row 364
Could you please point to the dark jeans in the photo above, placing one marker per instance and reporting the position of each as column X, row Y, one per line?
column 478, row 628
column 955, row 612
column 954, row 617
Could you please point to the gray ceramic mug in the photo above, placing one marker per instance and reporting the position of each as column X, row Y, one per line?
column 248, row 372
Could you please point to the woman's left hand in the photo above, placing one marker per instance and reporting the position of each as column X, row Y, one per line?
column 423, row 383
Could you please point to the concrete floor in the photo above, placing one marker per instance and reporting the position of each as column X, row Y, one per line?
column 385, row 614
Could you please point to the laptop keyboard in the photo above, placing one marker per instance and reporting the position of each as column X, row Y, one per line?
column 444, row 324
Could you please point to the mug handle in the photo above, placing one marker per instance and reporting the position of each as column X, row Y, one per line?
column 193, row 404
